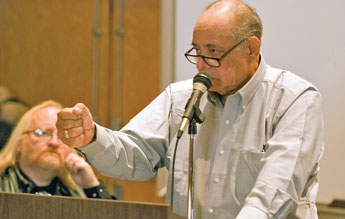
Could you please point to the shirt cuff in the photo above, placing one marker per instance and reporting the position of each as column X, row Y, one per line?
column 99, row 191
column 251, row 212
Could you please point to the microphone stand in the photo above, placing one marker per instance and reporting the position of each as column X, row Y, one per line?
column 198, row 117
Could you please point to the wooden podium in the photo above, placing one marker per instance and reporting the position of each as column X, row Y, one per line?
column 30, row 206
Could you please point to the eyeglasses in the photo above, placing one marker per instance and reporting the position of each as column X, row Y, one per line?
column 211, row 61
column 42, row 135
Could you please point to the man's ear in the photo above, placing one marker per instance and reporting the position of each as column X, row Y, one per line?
column 254, row 47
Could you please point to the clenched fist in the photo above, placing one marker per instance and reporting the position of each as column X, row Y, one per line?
column 75, row 125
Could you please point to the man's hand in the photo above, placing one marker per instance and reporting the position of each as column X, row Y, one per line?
column 75, row 126
column 81, row 171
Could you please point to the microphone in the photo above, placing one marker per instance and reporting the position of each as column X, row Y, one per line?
column 201, row 83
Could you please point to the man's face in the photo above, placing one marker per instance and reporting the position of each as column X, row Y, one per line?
column 211, row 38
column 43, row 151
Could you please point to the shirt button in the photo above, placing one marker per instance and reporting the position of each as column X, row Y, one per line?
column 216, row 179
column 227, row 122
column 221, row 152
column 101, row 190
column 243, row 107
column 210, row 210
column 94, row 195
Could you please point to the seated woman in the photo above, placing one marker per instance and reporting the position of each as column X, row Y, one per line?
column 35, row 160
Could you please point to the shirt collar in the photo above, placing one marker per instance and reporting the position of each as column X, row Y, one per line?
column 29, row 186
column 23, row 181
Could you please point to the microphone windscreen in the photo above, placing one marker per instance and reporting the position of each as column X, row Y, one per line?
column 204, row 78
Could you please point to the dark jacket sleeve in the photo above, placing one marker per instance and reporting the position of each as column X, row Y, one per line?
column 99, row 191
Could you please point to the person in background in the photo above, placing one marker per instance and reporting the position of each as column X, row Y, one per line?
column 36, row 161
column 257, row 153
column 11, row 109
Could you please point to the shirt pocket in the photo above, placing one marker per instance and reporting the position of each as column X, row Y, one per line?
column 247, row 170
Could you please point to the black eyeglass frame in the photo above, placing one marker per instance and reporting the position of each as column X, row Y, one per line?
column 187, row 55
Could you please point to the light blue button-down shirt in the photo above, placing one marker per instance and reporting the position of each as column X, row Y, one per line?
column 256, row 156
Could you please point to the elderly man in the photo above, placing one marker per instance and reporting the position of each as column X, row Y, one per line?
column 256, row 154
column 36, row 161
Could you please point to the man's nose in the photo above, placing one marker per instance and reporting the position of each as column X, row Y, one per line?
column 201, row 65
column 53, row 141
